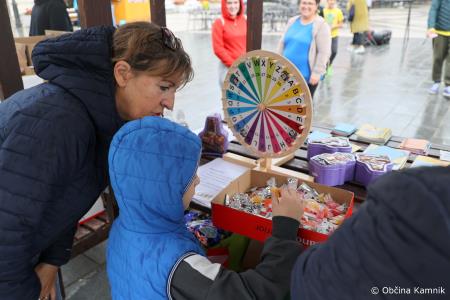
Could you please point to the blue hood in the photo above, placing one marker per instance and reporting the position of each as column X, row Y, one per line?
column 152, row 161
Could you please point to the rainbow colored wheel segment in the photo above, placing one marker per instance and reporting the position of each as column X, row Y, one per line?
column 267, row 104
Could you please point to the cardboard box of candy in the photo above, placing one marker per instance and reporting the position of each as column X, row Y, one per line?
column 258, row 226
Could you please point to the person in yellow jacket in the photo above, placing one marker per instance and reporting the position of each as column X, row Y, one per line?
column 359, row 24
column 335, row 18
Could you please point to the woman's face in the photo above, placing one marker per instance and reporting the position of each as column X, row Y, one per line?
column 190, row 192
column 308, row 8
column 233, row 7
column 139, row 94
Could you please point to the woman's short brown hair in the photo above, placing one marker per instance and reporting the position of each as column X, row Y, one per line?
column 153, row 49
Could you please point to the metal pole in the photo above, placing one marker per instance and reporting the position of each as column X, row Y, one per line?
column 16, row 14
column 408, row 20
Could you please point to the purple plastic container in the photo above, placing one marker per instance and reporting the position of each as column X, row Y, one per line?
column 331, row 175
column 365, row 174
column 320, row 146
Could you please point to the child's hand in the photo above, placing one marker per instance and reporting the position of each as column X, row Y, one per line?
column 288, row 205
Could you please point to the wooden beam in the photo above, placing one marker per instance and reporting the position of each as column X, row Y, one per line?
column 94, row 13
column 158, row 12
column 254, row 24
column 10, row 77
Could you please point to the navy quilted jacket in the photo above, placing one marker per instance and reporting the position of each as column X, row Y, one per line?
column 398, row 241
column 54, row 141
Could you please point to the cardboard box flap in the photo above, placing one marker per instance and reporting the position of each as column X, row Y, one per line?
column 30, row 42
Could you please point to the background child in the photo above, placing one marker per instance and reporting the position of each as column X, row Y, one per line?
column 335, row 18
column 151, row 254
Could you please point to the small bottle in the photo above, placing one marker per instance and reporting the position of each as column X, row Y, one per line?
column 181, row 119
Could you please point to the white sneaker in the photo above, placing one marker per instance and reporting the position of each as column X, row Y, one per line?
column 446, row 92
column 434, row 89
column 350, row 48
column 360, row 50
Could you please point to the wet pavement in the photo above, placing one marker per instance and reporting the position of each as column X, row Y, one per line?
column 386, row 86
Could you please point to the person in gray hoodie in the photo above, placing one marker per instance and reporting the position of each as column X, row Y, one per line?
column 439, row 31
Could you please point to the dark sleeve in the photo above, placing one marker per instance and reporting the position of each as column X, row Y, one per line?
column 399, row 237
column 35, row 165
column 197, row 278
column 60, row 251
column 58, row 16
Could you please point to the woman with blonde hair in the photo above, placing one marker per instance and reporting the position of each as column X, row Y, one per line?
column 306, row 42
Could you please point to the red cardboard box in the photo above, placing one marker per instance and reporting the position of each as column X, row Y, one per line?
column 259, row 228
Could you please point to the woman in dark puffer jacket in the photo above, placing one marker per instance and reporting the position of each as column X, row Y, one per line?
column 396, row 246
column 54, row 140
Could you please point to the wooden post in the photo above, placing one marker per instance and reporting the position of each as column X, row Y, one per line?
column 254, row 24
column 94, row 12
column 10, row 77
column 158, row 12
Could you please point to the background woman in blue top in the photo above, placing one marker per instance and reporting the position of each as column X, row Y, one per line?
column 306, row 42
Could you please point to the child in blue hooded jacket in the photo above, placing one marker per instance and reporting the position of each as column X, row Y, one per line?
column 151, row 255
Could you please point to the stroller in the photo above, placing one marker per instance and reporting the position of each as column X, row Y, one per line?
column 372, row 38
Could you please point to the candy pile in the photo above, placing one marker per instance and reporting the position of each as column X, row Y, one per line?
column 201, row 226
column 327, row 159
column 322, row 214
column 375, row 162
column 333, row 141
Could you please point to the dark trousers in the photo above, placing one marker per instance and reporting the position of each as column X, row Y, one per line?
column 441, row 53
column 312, row 89
column 334, row 48
column 358, row 39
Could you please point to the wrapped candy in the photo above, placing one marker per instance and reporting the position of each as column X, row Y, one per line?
column 321, row 213
column 201, row 226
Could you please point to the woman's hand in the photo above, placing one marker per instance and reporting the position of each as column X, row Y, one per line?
column 47, row 276
column 314, row 79
column 431, row 33
column 289, row 205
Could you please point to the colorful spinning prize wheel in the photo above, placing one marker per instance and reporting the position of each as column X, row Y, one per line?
column 267, row 104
